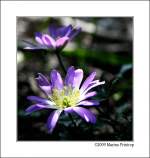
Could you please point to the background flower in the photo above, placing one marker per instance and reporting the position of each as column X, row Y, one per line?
column 57, row 38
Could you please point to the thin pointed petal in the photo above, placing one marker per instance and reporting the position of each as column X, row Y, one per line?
column 63, row 31
column 52, row 31
column 88, row 95
column 38, row 38
column 88, row 103
column 38, row 99
column 52, row 120
column 69, row 110
column 43, row 83
column 56, row 80
column 61, row 41
column 69, row 29
column 87, row 115
column 70, row 76
column 88, row 80
column 42, row 80
column 31, row 46
column 48, row 41
column 35, row 107
column 92, row 86
column 78, row 78
column 43, row 101
column 74, row 33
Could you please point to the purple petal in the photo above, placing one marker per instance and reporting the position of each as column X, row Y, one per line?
column 63, row 31
column 69, row 109
column 52, row 120
column 43, row 83
column 61, row 41
column 31, row 46
column 69, row 29
column 70, row 76
column 48, row 41
column 38, row 38
column 88, row 95
column 52, row 31
column 38, row 99
column 78, row 76
column 88, row 103
column 87, row 115
column 87, row 81
column 56, row 80
column 95, row 82
column 92, row 86
column 46, row 89
column 43, row 101
column 35, row 107
column 74, row 33
column 42, row 80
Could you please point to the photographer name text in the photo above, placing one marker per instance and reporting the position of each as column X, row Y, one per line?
column 114, row 145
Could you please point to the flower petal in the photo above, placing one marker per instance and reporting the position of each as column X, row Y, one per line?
column 43, row 83
column 63, row 31
column 52, row 31
column 43, row 101
column 88, row 95
column 56, row 80
column 78, row 76
column 35, row 107
column 48, row 41
column 69, row 29
column 74, row 32
column 88, row 103
column 70, row 76
column 69, row 109
column 52, row 120
column 38, row 99
column 31, row 46
column 94, row 82
column 88, row 80
column 92, row 86
column 42, row 80
column 38, row 38
column 87, row 115
column 61, row 41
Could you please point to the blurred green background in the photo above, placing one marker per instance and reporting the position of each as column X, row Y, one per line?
column 104, row 46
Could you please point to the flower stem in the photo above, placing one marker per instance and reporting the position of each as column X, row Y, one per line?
column 71, row 118
column 60, row 61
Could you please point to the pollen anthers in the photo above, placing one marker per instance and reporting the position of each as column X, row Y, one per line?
column 67, row 97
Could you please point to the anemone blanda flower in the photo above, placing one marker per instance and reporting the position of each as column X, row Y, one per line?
column 57, row 38
column 68, row 96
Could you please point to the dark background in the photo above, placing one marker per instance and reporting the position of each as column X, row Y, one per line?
column 104, row 46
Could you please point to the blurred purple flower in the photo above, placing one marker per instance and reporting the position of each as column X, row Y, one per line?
column 68, row 96
column 56, row 39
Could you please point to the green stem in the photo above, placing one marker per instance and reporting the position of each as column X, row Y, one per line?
column 60, row 61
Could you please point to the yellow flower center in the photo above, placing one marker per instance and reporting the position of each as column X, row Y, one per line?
column 67, row 97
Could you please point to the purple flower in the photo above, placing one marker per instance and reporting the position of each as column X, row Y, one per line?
column 56, row 39
column 69, row 96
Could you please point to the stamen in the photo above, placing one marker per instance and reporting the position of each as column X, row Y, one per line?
column 67, row 97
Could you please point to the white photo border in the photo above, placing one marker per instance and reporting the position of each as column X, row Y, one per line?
column 10, row 10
